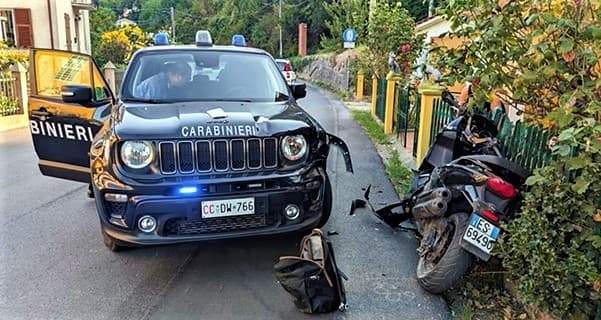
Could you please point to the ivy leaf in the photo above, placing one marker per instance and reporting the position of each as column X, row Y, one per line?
column 532, row 180
column 532, row 18
column 567, row 134
column 577, row 163
column 566, row 45
column 595, row 241
column 596, row 32
column 581, row 185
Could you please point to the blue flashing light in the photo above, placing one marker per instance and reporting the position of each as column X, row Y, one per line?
column 188, row 190
column 238, row 40
column 161, row 39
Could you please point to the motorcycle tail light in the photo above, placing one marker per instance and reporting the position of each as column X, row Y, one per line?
column 501, row 188
column 490, row 216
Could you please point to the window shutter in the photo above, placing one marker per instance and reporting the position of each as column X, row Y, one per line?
column 23, row 28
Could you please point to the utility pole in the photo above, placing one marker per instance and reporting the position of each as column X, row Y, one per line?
column 280, row 23
column 172, row 13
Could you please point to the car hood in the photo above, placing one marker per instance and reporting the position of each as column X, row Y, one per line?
column 200, row 120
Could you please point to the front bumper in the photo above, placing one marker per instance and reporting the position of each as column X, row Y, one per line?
column 179, row 219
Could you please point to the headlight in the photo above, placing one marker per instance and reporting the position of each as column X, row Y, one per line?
column 137, row 154
column 294, row 147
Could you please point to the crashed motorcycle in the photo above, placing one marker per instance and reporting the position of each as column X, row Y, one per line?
column 461, row 192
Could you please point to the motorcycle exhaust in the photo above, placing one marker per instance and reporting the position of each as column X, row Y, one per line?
column 442, row 194
column 430, row 209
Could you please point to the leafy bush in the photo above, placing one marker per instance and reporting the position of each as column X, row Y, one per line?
column 11, row 56
column 542, row 56
column 299, row 63
column 8, row 106
column 118, row 45
column 554, row 247
column 391, row 29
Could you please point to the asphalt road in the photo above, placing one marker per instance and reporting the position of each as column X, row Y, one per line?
column 53, row 264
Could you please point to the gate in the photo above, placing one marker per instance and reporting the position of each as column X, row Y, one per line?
column 381, row 99
column 406, row 118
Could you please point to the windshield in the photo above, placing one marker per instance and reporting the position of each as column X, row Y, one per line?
column 186, row 75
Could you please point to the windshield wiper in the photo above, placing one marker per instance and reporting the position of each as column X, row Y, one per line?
column 233, row 100
column 140, row 100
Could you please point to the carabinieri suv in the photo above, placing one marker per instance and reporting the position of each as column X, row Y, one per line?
column 204, row 142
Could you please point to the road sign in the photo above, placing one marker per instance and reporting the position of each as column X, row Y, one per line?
column 349, row 36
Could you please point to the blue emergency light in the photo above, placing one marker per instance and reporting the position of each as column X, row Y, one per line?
column 238, row 40
column 161, row 39
column 188, row 190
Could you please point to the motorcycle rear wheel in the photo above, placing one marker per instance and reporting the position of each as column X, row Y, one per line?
column 454, row 263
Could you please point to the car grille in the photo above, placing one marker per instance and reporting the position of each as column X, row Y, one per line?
column 183, row 227
column 192, row 156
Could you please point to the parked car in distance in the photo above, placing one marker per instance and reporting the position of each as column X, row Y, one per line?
column 286, row 69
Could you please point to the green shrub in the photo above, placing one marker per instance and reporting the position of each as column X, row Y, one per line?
column 299, row 63
column 11, row 56
column 554, row 249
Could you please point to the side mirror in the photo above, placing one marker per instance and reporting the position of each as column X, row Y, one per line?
column 299, row 90
column 76, row 94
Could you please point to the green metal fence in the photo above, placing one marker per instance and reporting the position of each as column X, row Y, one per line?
column 524, row 144
column 381, row 99
column 442, row 113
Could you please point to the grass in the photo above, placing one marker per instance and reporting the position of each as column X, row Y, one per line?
column 373, row 129
column 399, row 174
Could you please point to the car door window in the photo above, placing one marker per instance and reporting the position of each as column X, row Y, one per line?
column 101, row 91
column 55, row 69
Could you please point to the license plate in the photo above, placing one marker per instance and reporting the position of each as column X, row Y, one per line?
column 227, row 208
column 481, row 233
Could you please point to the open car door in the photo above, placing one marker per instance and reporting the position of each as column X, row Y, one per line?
column 69, row 103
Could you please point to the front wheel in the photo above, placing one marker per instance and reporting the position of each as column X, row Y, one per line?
column 439, row 276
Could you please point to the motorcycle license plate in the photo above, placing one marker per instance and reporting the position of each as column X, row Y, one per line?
column 481, row 233
column 227, row 208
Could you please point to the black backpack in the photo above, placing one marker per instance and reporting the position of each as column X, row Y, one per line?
column 313, row 278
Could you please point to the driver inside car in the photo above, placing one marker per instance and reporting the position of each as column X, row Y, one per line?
column 166, row 84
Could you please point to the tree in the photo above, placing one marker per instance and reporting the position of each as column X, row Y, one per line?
column 345, row 14
column 391, row 29
column 542, row 57
column 101, row 20
column 118, row 45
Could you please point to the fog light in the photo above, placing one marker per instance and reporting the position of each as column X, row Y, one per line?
column 115, row 197
column 147, row 224
column 292, row 211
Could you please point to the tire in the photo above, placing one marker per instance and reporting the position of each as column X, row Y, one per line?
column 327, row 204
column 112, row 244
column 452, row 265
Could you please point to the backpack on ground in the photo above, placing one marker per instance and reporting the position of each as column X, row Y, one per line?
column 313, row 278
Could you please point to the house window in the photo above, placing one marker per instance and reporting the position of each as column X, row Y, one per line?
column 7, row 27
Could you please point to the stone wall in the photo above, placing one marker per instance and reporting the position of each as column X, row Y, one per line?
column 331, row 69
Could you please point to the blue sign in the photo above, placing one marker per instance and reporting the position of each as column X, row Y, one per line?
column 349, row 35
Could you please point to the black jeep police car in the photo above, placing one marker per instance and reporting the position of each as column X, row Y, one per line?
column 204, row 142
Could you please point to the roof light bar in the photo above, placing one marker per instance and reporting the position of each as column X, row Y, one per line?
column 203, row 38
column 238, row 40
column 161, row 39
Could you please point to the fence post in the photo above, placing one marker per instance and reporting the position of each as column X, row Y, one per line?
column 391, row 79
column 428, row 92
column 19, row 73
column 374, row 94
column 359, row 86
column 109, row 75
